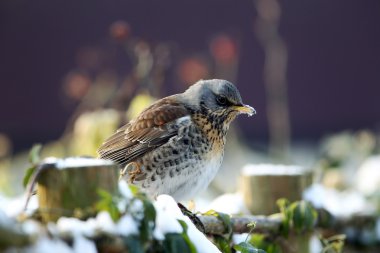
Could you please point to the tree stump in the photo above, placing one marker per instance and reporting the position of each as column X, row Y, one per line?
column 65, row 186
column 262, row 185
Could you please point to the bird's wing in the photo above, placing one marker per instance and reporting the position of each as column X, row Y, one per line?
column 152, row 128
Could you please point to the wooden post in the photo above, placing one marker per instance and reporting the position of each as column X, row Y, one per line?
column 262, row 185
column 72, row 184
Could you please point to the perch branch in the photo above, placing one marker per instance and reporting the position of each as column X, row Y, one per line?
column 272, row 224
column 240, row 224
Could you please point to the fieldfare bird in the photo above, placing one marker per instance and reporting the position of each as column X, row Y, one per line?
column 176, row 145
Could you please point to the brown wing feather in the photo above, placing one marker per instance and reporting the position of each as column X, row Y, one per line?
column 152, row 128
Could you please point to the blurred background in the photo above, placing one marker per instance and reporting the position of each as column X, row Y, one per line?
column 72, row 72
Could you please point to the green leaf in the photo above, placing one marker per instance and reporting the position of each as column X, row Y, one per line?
column 226, row 221
column 34, row 160
column 183, row 225
column 134, row 189
column 34, row 154
column 225, row 218
column 104, row 195
column 133, row 244
column 28, row 174
column 174, row 243
column 262, row 241
column 222, row 244
column 245, row 247
column 333, row 244
column 148, row 223
column 149, row 211
column 252, row 225
column 186, row 237
column 283, row 205
column 304, row 216
column 108, row 203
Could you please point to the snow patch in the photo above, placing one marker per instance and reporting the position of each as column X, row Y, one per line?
column 230, row 203
column 166, row 217
column 271, row 169
column 82, row 244
column 343, row 204
column 127, row 226
column 46, row 245
column 168, row 214
column 368, row 176
column 80, row 162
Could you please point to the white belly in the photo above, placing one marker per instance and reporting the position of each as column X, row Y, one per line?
column 198, row 180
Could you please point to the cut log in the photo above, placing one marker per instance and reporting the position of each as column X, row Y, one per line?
column 72, row 184
column 262, row 185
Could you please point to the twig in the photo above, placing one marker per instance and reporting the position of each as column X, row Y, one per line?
column 240, row 224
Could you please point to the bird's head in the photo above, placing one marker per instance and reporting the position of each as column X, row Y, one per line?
column 218, row 99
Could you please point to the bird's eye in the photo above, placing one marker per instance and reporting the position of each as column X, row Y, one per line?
column 221, row 100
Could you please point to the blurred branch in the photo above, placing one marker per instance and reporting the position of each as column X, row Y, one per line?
column 263, row 224
column 272, row 224
column 276, row 56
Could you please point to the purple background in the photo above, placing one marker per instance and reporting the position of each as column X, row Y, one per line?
column 333, row 68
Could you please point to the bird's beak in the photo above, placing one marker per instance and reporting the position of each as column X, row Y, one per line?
column 245, row 109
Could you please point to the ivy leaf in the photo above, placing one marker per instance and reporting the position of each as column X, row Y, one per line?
column 333, row 244
column 134, row 189
column 176, row 243
column 222, row 244
column 225, row 218
column 34, row 160
column 107, row 203
column 283, row 205
column 186, row 237
column 251, row 225
column 148, row 223
column 183, row 225
column 133, row 244
column 245, row 247
column 28, row 174
column 263, row 242
column 34, row 154
column 304, row 216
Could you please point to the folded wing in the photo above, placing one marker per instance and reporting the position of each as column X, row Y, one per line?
column 151, row 129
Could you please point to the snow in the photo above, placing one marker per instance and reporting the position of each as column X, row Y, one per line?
column 14, row 207
column 137, row 213
column 124, row 190
column 101, row 223
column 271, row 169
column 47, row 245
column 82, row 244
column 68, row 225
column 5, row 221
column 315, row 245
column 126, row 225
column 105, row 222
column 235, row 204
column 80, row 162
column 339, row 203
column 167, row 221
column 31, row 227
column 238, row 238
column 167, row 218
column 368, row 176
column 168, row 213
